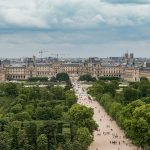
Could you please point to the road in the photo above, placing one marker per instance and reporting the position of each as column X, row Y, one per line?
column 108, row 136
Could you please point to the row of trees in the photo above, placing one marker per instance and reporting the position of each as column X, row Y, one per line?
column 109, row 78
column 46, row 118
column 60, row 77
column 87, row 77
column 130, row 108
column 35, row 79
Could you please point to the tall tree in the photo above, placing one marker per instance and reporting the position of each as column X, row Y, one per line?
column 42, row 142
column 62, row 77
column 70, row 98
column 11, row 90
column 81, row 116
column 84, row 137
column 131, row 94
column 49, row 129
column 58, row 93
column 31, row 132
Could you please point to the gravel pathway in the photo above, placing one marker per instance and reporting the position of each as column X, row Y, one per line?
column 109, row 136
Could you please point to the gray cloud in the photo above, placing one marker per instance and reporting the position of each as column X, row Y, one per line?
column 128, row 1
column 29, row 45
column 70, row 14
column 73, row 26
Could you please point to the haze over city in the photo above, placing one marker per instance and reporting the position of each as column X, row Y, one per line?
column 79, row 28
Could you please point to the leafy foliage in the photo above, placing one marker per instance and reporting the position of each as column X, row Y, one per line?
column 62, row 77
column 10, row 89
column 130, row 108
column 109, row 78
column 87, row 77
column 37, row 118
column 35, row 79
column 81, row 116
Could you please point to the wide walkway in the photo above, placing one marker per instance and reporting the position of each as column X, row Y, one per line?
column 109, row 136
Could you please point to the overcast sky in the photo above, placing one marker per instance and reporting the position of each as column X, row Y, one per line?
column 78, row 28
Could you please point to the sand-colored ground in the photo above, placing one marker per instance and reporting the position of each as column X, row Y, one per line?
column 109, row 136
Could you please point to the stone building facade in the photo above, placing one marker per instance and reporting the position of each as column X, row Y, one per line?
column 95, row 68
column 131, row 74
column 144, row 72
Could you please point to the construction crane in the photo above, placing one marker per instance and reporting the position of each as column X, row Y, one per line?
column 41, row 52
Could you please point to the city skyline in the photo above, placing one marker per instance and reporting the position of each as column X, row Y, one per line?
column 78, row 28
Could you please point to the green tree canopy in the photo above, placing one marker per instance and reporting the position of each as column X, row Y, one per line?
column 131, row 94
column 11, row 89
column 35, row 79
column 144, row 79
column 70, row 98
column 42, row 142
column 84, row 137
column 87, row 77
column 58, row 93
column 81, row 116
column 62, row 77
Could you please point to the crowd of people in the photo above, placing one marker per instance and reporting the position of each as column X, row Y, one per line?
column 108, row 135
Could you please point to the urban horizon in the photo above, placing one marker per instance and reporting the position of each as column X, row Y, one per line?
column 67, row 56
